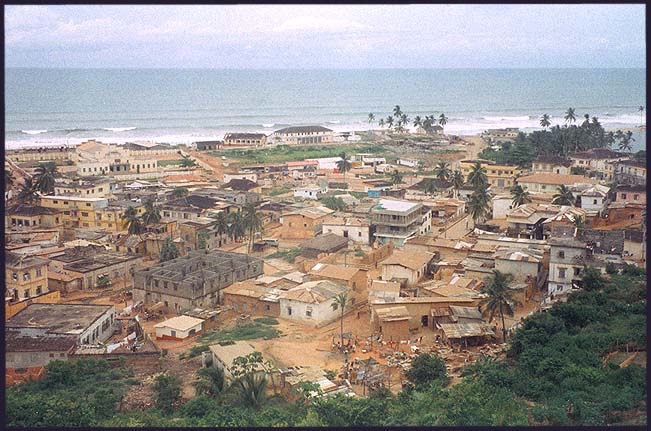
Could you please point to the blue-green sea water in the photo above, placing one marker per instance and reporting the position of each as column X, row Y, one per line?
column 55, row 106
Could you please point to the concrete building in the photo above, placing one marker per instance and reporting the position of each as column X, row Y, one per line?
column 599, row 160
column 303, row 135
column 630, row 171
column 631, row 194
column 311, row 191
column 178, row 328
column 89, row 324
column 406, row 267
column 95, row 187
column 248, row 139
column 86, row 213
column 566, row 260
column 499, row 176
column 551, row 165
column 224, row 356
column 396, row 220
column 594, row 200
column 499, row 135
column 25, row 352
column 194, row 280
column 207, row 145
column 25, row 276
column 311, row 302
column 303, row 223
column 522, row 264
column 355, row 279
column 323, row 245
column 549, row 183
column 355, row 229
column 252, row 297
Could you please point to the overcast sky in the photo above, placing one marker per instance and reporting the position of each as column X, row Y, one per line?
column 301, row 37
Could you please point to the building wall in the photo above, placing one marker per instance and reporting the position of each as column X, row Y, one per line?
column 550, row 168
column 34, row 359
column 519, row 269
column 592, row 203
column 390, row 272
column 52, row 297
column 297, row 226
column 501, row 207
column 166, row 333
column 357, row 234
column 571, row 265
column 320, row 313
column 28, row 282
column 394, row 330
column 100, row 330
column 631, row 197
column 115, row 271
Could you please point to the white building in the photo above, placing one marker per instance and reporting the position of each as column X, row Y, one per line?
column 303, row 135
column 178, row 328
column 311, row 302
column 501, row 206
column 355, row 229
column 311, row 191
column 594, row 199
column 406, row 266
column 408, row 162
column 326, row 163
column 566, row 259
column 251, row 176
column 223, row 357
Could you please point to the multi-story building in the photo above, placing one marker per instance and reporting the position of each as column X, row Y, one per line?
column 26, row 276
column 98, row 187
column 551, row 165
column 549, row 183
column 498, row 135
column 24, row 217
column 303, row 135
column 566, row 260
column 631, row 194
column 249, row 139
column 630, row 171
column 598, row 160
column 83, row 212
column 500, row 176
column 355, row 229
column 396, row 220
column 303, row 223
column 96, row 158
column 194, row 280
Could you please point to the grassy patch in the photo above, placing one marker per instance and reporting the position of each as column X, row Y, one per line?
column 288, row 255
column 266, row 320
column 251, row 331
column 275, row 191
column 284, row 153
column 194, row 351
column 162, row 163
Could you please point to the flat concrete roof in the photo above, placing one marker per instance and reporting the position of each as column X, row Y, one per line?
column 70, row 319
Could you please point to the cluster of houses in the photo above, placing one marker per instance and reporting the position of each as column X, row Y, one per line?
column 413, row 258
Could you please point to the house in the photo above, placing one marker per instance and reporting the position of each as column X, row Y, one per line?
column 194, row 280
column 207, row 145
column 251, row 176
column 26, row 355
column 630, row 171
column 303, row 135
column 303, row 223
column 292, row 378
column 599, row 160
column 92, row 187
column 178, row 328
column 500, row 135
column 381, row 290
column 526, row 221
column 25, row 276
column 544, row 164
column 412, row 163
column 549, row 183
column 311, row 302
column 406, row 267
column 498, row 175
column 593, row 200
column 355, row 229
column 355, row 279
column 243, row 185
column 252, row 297
column 566, row 260
column 223, row 357
column 522, row 264
column 311, row 191
column 422, row 311
column 393, row 323
column 396, row 220
column 631, row 193
column 248, row 139
column 89, row 324
column 323, row 245
column 438, row 186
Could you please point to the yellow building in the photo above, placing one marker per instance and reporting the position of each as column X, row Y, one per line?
column 500, row 176
column 26, row 276
column 91, row 213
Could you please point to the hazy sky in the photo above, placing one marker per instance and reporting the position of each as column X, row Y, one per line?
column 293, row 36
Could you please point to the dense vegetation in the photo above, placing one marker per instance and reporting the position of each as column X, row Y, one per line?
column 554, row 374
column 285, row 153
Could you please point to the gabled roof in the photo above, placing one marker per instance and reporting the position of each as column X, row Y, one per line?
column 326, row 243
column 411, row 259
column 333, row 271
column 303, row 129
column 556, row 179
column 243, row 185
column 314, row 292
column 180, row 323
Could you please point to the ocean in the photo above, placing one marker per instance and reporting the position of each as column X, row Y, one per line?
column 59, row 106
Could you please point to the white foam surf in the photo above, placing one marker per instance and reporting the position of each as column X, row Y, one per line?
column 33, row 132
column 118, row 129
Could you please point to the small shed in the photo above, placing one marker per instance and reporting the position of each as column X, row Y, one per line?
column 323, row 244
column 223, row 356
column 178, row 328
column 393, row 322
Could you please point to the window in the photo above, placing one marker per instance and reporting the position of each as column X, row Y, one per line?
column 577, row 271
column 87, row 204
column 83, row 214
column 26, row 276
column 267, row 307
column 39, row 272
column 173, row 332
column 308, row 312
column 623, row 195
column 39, row 290
column 635, row 197
column 561, row 272
column 55, row 202
column 289, row 311
column 26, row 293
column 14, row 276
column 561, row 254
column 594, row 201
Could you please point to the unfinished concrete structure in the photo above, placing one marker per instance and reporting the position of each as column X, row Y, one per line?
column 194, row 280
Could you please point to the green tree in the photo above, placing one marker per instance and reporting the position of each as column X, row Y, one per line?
column 381, row 123
column 478, row 204
column 237, row 226
column 477, row 176
column 425, row 369
column 397, row 112
column 396, row 177
column 221, row 224
column 443, row 120
column 334, row 203
column 570, row 116
column 563, row 196
column 429, row 186
column 187, row 162
column 442, row 171
column 499, row 300
column 371, row 119
column 179, row 192
column 250, row 378
column 520, row 195
column 131, row 221
column 343, row 165
column 104, row 281
column 641, row 111
column 418, row 122
column 340, row 302
column 27, row 193
column 151, row 214
column 591, row 279
column 457, row 182
column 210, row 381
column 544, row 121
column 389, row 122
column 202, row 240
column 169, row 250
column 167, row 392
column 252, row 222
column 45, row 177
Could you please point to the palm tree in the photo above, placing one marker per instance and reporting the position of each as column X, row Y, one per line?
column 371, row 119
column 396, row 177
column 499, row 300
column 429, row 187
column 625, row 140
column 404, row 120
column 187, row 162
column 640, row 110
column 9, row 179
column 418, row 122
column 131, row 221
column 236, row 226
column 397, row 112
column 563, row 196
column 578, row 222
column 252, row 222
column 442, row 171
column 544, row 121
column 381, row 123
column 340, row 301
column 570, row 116
column 343, row 165
column 45, row 174
column 27, row 193
column 443, row 120
column 221, row 224
column 457, row 182
column 520, row 195
column 389, row 122
column 586, row 121
column 151, row 214
column 478, row 204
column 477, row 176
